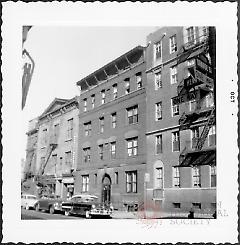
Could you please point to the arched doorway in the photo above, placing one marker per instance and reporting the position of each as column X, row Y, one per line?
column 106, row 189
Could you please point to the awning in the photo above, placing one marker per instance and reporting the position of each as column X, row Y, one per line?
column 198, row 158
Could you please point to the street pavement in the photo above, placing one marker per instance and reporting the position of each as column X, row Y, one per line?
column 32, row 214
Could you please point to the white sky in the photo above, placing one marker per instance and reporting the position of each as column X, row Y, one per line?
column 65, row 54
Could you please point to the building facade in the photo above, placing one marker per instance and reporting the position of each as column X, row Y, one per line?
column 181, row 145
column 57, row 146
column 112, row 121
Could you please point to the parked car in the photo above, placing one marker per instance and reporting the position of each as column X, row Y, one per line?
column 87, row 205
column 51, row 204
column 28, row 201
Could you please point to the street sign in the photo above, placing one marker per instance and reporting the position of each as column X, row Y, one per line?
column 204, row 67
column 185, row 97
column 191, row 82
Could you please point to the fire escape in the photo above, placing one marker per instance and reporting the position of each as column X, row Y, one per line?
column 40, row 178
column 199, row 83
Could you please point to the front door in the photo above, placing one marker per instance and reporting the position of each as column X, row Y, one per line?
column 106, row 190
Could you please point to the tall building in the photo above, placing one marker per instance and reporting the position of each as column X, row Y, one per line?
column 112, row 142
column 57, row 147
column 180, row 129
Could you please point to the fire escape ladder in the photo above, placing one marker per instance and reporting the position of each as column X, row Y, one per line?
column 204, row 134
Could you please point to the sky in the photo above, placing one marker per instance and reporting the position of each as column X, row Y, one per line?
column 65, row 54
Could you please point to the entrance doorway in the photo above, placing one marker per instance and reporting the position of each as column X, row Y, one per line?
column 106, row 189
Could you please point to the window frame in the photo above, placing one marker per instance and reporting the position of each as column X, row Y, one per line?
column 101, row 125
column 131, row 181
column 196, row 176
column 70, row 128
column 114, row 119
column 127, row 85
column 213, row 176
column 103, row 96
column 113, row 149
column 132, row 115
column 139, row 80
column 84, row 104
column 173, row 45
column 173, row 74
column 158, row 113
column 158, row 50
column 93, row 100
column 157, row 81
column 68, row 158
column 175, row 138
column 115, row 91
column 85, row 183
column 100, row 151
column 87, row 128
column 86, row 154
column 159, row 178
column 132, row 146
column 176, row 177
column 160, row 151
column 173, row 109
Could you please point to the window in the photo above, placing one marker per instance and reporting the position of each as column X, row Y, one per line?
column 213, row 176
column 116, row 178
column 196, row 205
column 85, row 104
column 212, row 136
column 101, row 122
column 159, row 178
column 54, row 161
column 127, row 85
column 175, row 109
column 93, row 100
column 56, row 132
column 42, row 160
column 159, row 144
column 114, row 119
column 196, row 177
column 192, row 105
column 158, row 80
column 195, row 137
column 139, row 80
column 87, row 128
column 158, row 50
column 131, row 181
column 113, row 149
column 103, row 96
column 190, row 35
column 70, row 128
column 44, row 137
column 158, row 111
column 173, row 74
column 132, row 146
column 115, row 91
column 175, row 141
column 209, row 100
column 132, row 114
column 176, row 205
column 100, row 150
column 173, row 44
column 176, row 177
column 85, row 183
column 190, row 62
column 68, row 158
column 86, row 154
column 95, row 179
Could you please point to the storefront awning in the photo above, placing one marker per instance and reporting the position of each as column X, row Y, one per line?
column 198, row 158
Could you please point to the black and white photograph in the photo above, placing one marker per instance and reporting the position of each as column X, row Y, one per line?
column 120, row 125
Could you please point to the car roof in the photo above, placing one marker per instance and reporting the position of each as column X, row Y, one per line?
column 85, row 196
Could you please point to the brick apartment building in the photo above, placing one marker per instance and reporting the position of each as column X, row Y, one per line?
column 181, row 151
column 57, row 146
column 112, row 121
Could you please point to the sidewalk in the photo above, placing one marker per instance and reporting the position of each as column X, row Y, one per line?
column 155, row 215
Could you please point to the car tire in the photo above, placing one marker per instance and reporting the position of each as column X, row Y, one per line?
column 88, row 215
column 37, row 207
column 66, row 213
column 51, row 210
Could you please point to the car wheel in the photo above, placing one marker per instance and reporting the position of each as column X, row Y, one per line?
column 87, row 214
column 37, row 207
column 51, row 210
column 66, row 213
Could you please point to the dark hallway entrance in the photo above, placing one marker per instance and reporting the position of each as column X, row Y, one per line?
column 106, row 189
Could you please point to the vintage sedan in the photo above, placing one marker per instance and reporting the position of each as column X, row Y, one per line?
column 28, row 201
column 87, row 205
column 51, row 204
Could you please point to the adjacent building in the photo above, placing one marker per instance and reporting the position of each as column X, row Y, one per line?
column 112, row 122
column 180, row 130
column 57, row 147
